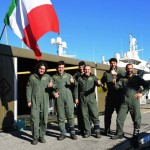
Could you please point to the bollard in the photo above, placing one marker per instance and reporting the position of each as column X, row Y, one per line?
column 21, row 124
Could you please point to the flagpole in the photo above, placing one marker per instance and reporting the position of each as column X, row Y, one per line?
column 3, row 31
column 6, row 36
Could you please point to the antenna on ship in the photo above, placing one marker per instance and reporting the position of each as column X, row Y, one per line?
column 61, row 45
column 121, row 48
column 142, row 45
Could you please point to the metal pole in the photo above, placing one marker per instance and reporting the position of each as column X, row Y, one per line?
column 15, row 91
column 2, row 31
column 95, row 73
column 6, row 36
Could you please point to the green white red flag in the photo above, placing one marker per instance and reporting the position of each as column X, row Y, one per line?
column 31, row 19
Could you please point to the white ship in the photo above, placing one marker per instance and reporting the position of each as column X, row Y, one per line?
column 132, row 57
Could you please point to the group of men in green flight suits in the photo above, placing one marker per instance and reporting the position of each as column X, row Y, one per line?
column 61, row 85
column 84, row 96
column 124, row 92
column 133, row 87
column 80, row 89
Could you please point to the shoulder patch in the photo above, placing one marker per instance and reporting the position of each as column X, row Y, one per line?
column 44, row 78
column 55, row 76
column 33, row 77
column 90, row 78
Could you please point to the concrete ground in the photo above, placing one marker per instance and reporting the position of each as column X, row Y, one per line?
column 21, row 140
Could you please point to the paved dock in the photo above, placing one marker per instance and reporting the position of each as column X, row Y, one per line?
column 21, row 140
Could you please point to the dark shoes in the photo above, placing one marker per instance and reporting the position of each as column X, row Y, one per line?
column 42, row 140
column 34, row 142
column 73, row 136
column 117, row 137
column 107, row 131
column 86, row 135
column 98, row 135
column 61, row 137
column 80, row 132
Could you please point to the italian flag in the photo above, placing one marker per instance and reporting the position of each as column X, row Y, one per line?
column 31, row 19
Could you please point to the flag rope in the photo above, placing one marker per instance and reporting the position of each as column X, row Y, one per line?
column 3, row 31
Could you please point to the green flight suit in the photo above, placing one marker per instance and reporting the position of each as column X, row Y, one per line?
column 87, row 96
column 113, row 98
column 37, row 93
column 78, row 109
column 130, row 86
column 64, row 103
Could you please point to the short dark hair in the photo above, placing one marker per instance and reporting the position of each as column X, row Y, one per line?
column 87, row 66
column 129, row 65
column 39, row 64
column 81, row 63
column 60, row 63
column 112, row 59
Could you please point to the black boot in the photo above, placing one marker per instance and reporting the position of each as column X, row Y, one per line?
column 42, row 140
column 97, row 130
column 61, row 137
column 72, row 133
column 73, row 136
column 134, row 141
column 34, row 142
column 86, row 134
column 107, row 131
column 116, row 137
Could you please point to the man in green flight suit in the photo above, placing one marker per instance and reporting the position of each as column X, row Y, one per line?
column 78, row 74
column 37, row 92
column 87, row 96
column 133, row 88
column 64, row 100
column 113, row 98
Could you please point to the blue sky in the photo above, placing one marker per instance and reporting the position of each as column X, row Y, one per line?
column 94, row 28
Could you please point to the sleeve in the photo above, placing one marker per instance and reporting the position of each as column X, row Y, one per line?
column 121, row 73
column 145, row 85
column 29, row 89
column 118, row 85
column 71, row 77
column 75, row 91
column 75, row 76
column 54, row 83
column 103, row 79
column 54, row 88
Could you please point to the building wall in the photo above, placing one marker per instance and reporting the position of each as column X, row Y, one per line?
column 6, row 92
column 101, row 93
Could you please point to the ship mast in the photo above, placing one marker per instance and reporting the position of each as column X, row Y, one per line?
column 132, row 42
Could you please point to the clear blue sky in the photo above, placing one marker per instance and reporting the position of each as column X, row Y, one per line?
column 94, row 28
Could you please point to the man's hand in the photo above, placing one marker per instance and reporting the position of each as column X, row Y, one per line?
column 138, row 95
column 99, row 82
column 50, row 84
column 113, row 72
column 56, row 95
column 114, row 81
column 76, row 101
column 71, row 80
column 29, row 104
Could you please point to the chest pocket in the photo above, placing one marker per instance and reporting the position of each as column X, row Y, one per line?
column 110, row 78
